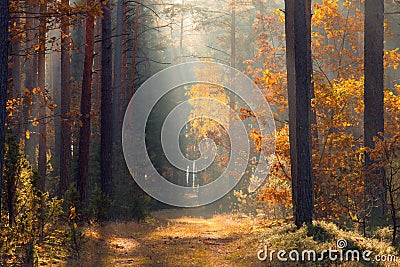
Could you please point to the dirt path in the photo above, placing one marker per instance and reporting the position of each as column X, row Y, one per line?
column 171, row 238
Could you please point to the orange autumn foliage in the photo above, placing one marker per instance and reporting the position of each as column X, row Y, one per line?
column 338, row 152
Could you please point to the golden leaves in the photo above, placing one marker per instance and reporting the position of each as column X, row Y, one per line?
column 35, row 122
column 281, row 15
column 37, row 47
column 392, row 59
column 275, row 196
column 52, row 106
column 338, row 152
column 28, row 134
column 73, row 214
column 257, row 138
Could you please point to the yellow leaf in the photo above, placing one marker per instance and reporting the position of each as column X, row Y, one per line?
column 28, row 134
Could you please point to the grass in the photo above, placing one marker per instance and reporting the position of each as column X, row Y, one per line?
column 179, row 238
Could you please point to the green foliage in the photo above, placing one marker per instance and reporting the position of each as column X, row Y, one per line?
column 72, row 198
column 28, row 214
column 128, row 201
column 99, row 205
column 21, row 202
column 318, row 233
column 136, row 205
column 318, row 237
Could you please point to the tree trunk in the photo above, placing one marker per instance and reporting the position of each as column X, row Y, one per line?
column 96, row 90
column 106, row 104
column 134, row 52
column 84, row 134
column 124, row 76
column 299, row 70
column 65, row 153
column 78, row 39
column 30, row 83
column 54, row 74
column 117, row 104
column 42, row 159
column 134, row 48
column 375, row 184
column 4, row 16
column 15, row 75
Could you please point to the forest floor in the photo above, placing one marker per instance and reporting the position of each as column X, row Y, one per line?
column 171, row 238
column 184, row 238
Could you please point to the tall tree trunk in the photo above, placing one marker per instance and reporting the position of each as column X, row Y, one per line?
column 84, row 133
column 15, row 75
column 4, row 16
column 375, row 183
column 117, row 104
column 124, row 75
column 134, row 48
column 65, row 153
column 54, row 74
column 299, row 70
column 134, row 51
column 78, row 39
column 30, row 83
column 106, row 104
column 96, row 90
column 42, row 159
column 15, row 123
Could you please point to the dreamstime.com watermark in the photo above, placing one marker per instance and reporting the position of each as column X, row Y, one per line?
column 339, row 254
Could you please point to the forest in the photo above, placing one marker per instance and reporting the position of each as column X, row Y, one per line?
column 199, row 133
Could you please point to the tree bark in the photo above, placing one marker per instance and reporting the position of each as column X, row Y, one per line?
column 375, row 183
column 54, row 74
column 15, row 75
column 84, row 133
column 65, row 153
column 96, row 87
column 299, row 71
column 4, row 17
column 78, row 44
column 134, row 48
column 106, row 104
column 117, row 104
column 42, row 159
column 124, row 75
column 30, row 83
